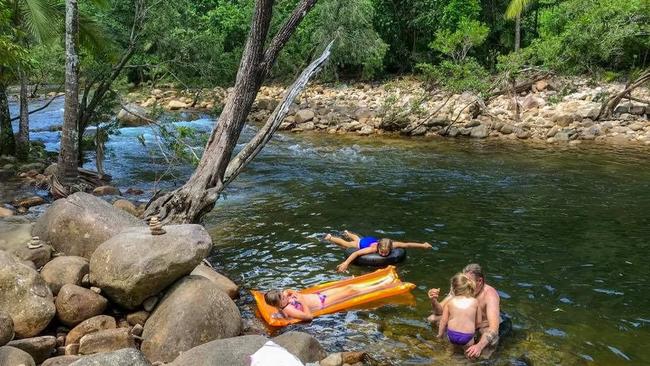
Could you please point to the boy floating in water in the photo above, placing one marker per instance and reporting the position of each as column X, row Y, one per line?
column 461, row 314
column 368, row 245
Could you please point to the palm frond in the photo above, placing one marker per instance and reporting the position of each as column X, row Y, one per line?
column 93, row 36
column 40, row 18
column 516, row 7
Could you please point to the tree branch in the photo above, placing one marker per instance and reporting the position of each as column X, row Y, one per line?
column 255, row 145
column 283, row 35
column 41, row 107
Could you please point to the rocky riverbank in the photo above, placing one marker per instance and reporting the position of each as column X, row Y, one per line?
column 557, row 110
column 90, row 283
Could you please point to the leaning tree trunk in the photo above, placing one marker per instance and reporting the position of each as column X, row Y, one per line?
column 22, row 140
column 7, row 141
column 517, row 32
column 199, row 194
column 67, row 164
column 608, row 106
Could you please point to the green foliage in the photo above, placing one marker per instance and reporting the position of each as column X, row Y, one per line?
column 457, row 77
column 580, row 36
column 457, row 43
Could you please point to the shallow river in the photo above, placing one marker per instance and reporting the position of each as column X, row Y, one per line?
column 562, row 232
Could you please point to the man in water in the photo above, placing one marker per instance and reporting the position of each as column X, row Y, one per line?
column 488, row 300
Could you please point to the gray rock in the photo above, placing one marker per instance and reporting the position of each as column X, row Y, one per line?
column 302, row 345
column 92, row 325
column 127, row 119
column 223, row 282
column 12, row 356
column 14, row 238
column 107, row 340
column 60, row 360
column 6, row 328
column 64, row 270
column 531, row 101
column 134, row 265
column 24, row 296
column 39, row 348
column 231, row 351
column 123, row 357
column 304, row 115
column 507, row 129
column 480, row 132
column 74, row 304
column 193, row 312
column 563, row 119
column 78, row 224
column 553, row 131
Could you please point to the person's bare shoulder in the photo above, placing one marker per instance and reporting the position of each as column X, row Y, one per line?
column 491, row 291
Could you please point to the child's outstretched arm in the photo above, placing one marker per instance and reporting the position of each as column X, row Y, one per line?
column 399, row 244
column 344, row 266
column 442, row 327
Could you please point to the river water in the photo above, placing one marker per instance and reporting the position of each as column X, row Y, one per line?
column 562, row 232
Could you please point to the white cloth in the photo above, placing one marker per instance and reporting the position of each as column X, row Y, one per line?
column 272, row 354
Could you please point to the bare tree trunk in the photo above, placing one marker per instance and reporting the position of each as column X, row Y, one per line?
column 199, row 194
column 7, row 141
column 517, row 32
column 608, row 106
column 22, row 140
column 67, row 165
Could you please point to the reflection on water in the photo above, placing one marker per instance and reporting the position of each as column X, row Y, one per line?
column 562, row 232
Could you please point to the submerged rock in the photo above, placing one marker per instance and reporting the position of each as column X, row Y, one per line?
column 25, row 296
column 193, row 312
column 77, row 225
column 134, row 265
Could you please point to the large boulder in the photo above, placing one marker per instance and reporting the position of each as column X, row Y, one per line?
column 64, row 270
column 231, row 351
column 74, row 304
column 12, row 356
column 194, row 311
column 223, row 282
column 6, row 328
column 134, row 265
column 304, row 115
column 301, row 345
column 92, row 325
column 39, row 348
column 14, row 238
column 78, row 224
column 132, row 115
column 25, row 296
column 123, row 357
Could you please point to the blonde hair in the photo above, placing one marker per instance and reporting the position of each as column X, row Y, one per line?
column 273, row 298
column 384, row 245
column 462, row 285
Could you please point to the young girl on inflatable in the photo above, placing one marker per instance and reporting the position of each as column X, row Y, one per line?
column 461, row 314
column 368, row 245
column 293, row 304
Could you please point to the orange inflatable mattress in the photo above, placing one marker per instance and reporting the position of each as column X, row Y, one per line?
column 391, row 287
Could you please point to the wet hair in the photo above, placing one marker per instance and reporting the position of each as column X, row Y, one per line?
column 475, row 269
column 462, row 285
column 273, row 298
column 384, row 244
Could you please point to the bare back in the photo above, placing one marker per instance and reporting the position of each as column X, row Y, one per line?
column 463, row 313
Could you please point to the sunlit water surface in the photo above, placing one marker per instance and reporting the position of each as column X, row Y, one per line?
column 563, row 233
